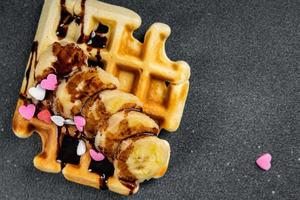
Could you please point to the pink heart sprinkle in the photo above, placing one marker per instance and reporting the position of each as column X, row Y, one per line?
column 79, row 122
column 27, row 111
column 264, row 161
column 50, row 82
column 45, row 116
column 96, row 156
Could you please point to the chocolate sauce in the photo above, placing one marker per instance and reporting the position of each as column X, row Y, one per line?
column 167, row 83
column 66, row 18
column 82, row 38
column 68, row 151
column 67, row 57
column 25, row 99
column 104, row 168
column 32, row 63
column 94, row 40
column 46, row 103
column 78, row 19
column 131, row 186
column 102, row 29
column 97, row 62
column 97, row 39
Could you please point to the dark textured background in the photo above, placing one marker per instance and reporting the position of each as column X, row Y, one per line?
column 244, row 100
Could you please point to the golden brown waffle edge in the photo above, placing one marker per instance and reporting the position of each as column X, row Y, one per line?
column 142, row 68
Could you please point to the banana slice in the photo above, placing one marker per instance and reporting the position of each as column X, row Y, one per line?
column 121, row 126
column 71, row 94
column 61, row 58
column 115, row 100
column 139, row 158
column 98, row 109
column 146, row 157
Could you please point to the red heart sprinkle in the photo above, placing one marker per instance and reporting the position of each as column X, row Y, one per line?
column 45, row 116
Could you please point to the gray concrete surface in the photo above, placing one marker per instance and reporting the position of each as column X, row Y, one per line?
column 244, row 100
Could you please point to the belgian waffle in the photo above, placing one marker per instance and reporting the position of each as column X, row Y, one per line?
column 105, row 34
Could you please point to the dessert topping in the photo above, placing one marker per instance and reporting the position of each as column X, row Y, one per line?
column 68, row 57
column 27, row 111
column 37, row 92
column 58, row 120
column 79, row 122
column 264, row 161
column 81, row 148
column 45, row 116
column 96, row 156
column 50, row 83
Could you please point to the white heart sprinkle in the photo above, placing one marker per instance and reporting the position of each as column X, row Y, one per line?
column 89, row 42
column 93, row 34
column 37, row 92
column 69, row 122
column 58, row 120
column 81, row 148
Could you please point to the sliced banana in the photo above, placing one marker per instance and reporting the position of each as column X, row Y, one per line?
column 139, row 158
column 127, row 123
column 60, row 58
column 98, row 109
column 71, row 94
column 146, row 157
column 45, row 64
column 121, row 126
column 115, row 100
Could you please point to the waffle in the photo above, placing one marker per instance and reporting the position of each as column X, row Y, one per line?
column 105, row 33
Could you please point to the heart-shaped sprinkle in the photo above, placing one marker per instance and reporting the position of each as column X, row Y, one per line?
column 79, row 122
column 81, row 148
column 96, row 156
column 37, row 92
column 27, row 111
column 69, row 122
column 264, row 161
column 58, row 120
column 45, row 116
column 50, row 82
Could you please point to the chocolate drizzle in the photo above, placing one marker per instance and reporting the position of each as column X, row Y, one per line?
column 97, row 61
column 82, row 38
column 32, row 63
column 130, row 185
column 68, row 57
column 66, row 18
column 102, row 29
column 46, row 104
column 68, row 148
column 97, row 39
column 104, row 168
